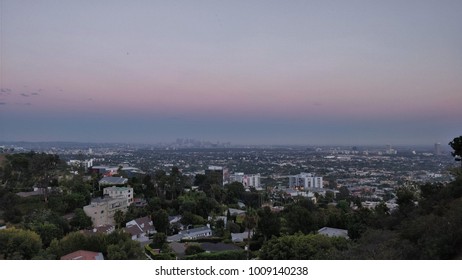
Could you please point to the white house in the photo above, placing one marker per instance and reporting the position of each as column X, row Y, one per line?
column 240, row 237
column 120, row 192
column 102, row 210
column 193, row 233
column 140, row 228
column 333, row 232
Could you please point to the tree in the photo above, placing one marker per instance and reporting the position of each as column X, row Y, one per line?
column 160, row 179
column 72, row 242
column 193, row 249
column 160, row 221
column 192, row 219
column 19, row 244
column 125, row 250
column 75, row 200
column 268, row 223
column 49, row 225
column 456, row 145
column 343, row 194
column 358, row 222
column 234, row 192
column 176, row 182
column 298, row 219
column 405, row 200
column 119, row 218
column 219, row 229
column 250, row 222
column 44, row 167
column 48, row 232
column 80, row 220
column 303, row 247
column 233, row 227
column 158, row 240
column 13, row 215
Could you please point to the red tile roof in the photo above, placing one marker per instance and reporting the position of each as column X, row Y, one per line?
column 83, row 255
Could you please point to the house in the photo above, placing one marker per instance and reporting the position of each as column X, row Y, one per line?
column 104, row 170
column 103, row 229
column 217, row 218
column 132, row 171
column 174, row 219
column 36, row 192
column 333, row 232
column 240, row 237
column 102, row 210
column 235, row 212
column 191, row 234
column 83, row 255
column 116, row 192
column 113, row 181
column 308, row 194
column 140, row 202
column 140, row 229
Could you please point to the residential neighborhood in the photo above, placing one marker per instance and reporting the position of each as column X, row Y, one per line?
column 214, row 203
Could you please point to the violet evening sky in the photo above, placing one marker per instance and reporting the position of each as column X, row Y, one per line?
column 250, row 72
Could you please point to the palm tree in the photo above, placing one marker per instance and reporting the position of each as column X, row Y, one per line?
column 250, row 222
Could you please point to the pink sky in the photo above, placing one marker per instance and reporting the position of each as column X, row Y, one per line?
column 304, row 61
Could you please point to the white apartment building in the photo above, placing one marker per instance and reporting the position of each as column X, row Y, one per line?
column 252, row 180
column 118, row 192
column 246, row 180
column 102, row 210
column 305, row 180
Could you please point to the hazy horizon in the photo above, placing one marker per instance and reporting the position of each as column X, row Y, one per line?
column 247, row 72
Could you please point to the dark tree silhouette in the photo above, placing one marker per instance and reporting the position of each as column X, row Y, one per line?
column 456, row 145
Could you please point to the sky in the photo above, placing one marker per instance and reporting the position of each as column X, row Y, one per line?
column 248, row 72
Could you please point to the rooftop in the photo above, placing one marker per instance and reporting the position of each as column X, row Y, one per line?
column 83, row 255
column 113, row 181
column 333, row 232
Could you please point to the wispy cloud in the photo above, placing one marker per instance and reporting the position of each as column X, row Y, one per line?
column 5, row 91
column 2, row 103
column 29, row 94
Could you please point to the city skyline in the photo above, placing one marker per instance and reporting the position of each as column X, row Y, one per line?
column 249, row 72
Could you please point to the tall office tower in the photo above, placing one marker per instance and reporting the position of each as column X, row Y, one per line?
column 438, row 149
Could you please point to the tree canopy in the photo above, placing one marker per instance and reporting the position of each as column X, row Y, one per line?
column 456, row 145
